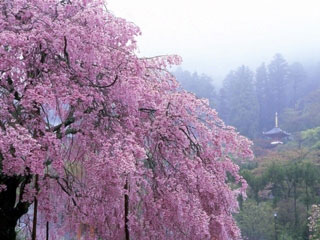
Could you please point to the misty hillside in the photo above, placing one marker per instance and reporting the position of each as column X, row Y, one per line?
column 284, row 179
column 249, row 98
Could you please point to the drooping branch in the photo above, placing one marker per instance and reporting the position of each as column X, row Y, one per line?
column 66, row 54
column 104, row 86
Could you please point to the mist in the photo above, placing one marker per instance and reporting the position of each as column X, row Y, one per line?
column 214, row 37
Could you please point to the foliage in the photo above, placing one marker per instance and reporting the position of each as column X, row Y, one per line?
column 255, row 182
column 314, row 223
column 200, row 85
column 240, row 101
column 288, row 181
column 95, row 138
column 306, row 114
column 278, row 71
column 311, row 137
column 277, row 87
column 256, row 221
column 296, row 77
column 263, row 89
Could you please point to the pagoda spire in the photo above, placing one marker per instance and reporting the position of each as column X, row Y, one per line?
column 276, row 134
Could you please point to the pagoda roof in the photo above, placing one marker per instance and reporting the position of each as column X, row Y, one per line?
column 276, row 132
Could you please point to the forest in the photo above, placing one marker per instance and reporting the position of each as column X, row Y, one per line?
column 284, row 179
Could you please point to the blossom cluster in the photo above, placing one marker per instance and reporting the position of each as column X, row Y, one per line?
column 104, row 130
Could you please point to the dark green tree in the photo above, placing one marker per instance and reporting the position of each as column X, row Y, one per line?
column 201, row 85
column 241, row 102
column 278, row 73
column 306, row 115
column 256, row 183
column 296, row 78
column 263, row 96
column 256, row 221
column 225, row 96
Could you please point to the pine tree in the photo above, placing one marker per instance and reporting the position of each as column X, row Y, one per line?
column 296, row 77
column 263, row 97
column 278, row 72
column 240, row 101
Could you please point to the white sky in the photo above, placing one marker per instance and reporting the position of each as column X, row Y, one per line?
column 216, row 36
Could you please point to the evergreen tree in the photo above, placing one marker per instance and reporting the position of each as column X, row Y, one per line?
column 278, row 72
column 263, row 97
column 240, row 101
column 225, row 96
column 296, row 77
column 200, row 85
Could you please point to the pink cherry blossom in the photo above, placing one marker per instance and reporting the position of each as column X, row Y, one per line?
column 106, row 142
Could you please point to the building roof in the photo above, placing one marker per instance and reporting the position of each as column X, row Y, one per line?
column 276, row 132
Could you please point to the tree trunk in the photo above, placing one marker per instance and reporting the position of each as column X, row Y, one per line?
column 10, row 211
column 307, row 196
column 7, row 229
column 295, row 205
column 35, row 217
column 35, row 211
column 126, row 211
column 47, row 231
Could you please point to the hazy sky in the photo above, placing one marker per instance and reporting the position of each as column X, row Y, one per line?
column 216, row 36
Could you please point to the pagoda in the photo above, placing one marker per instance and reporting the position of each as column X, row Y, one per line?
column 276, row 133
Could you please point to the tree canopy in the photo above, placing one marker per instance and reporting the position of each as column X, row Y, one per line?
column 92, row 135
